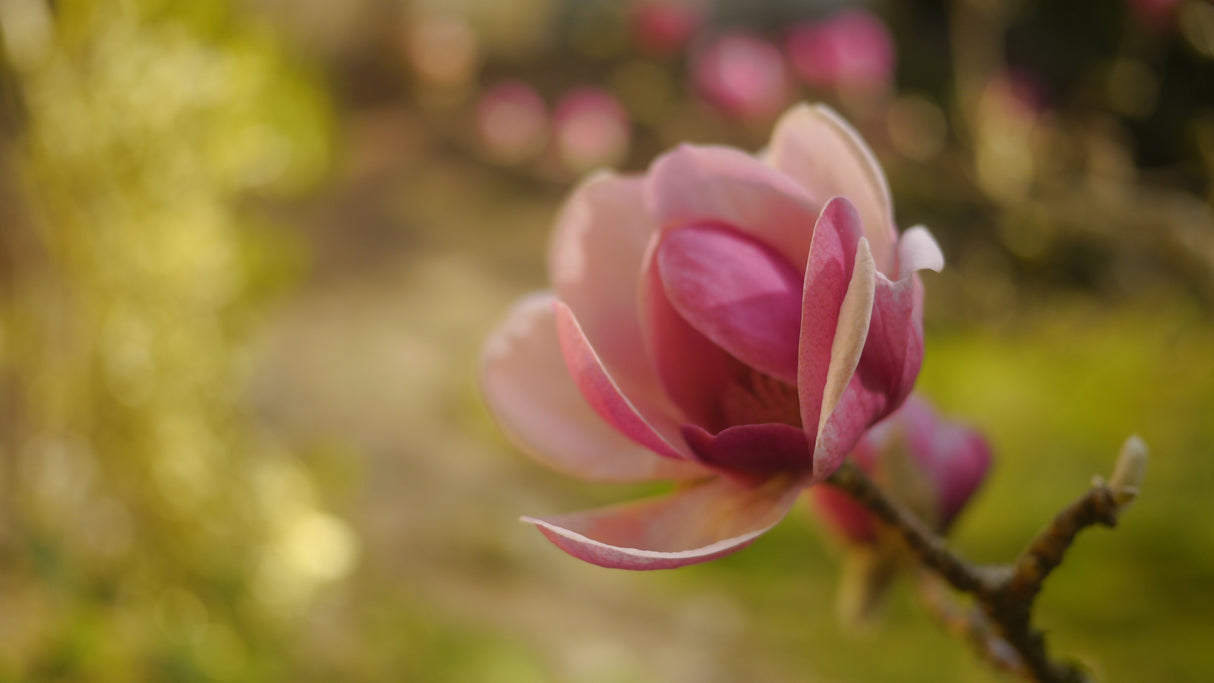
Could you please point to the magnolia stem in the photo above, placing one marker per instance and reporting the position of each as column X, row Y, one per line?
column 1004, row 595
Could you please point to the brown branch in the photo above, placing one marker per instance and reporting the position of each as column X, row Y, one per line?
column 1005, row 595
column 970, row 624
column 1045, row 553
column 930, row 548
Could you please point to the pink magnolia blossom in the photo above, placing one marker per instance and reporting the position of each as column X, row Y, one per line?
column 512, row 121
column 743, row 76
column 933, row 466
column 1158, row 16
column 663, row 27
column 728, row 322
column 591, row 129
column 851, row 51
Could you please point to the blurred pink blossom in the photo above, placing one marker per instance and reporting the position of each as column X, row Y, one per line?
column 851, row 52
column 662, row 28
column 729, row 322
column 933, row 466
column 591, row 129
column 743, row 76
column 1156, row 15
column 512, row 121
column 1014, row 94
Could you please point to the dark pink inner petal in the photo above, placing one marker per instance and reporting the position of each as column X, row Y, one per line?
column 693, row 371
column 737, row 292
column 893, row 351
column 751, row 449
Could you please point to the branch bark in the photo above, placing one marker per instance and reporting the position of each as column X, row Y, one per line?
column 1004, row 594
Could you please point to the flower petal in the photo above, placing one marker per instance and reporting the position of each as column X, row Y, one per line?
column 717, row 184
column 888, row 366
column 917, row 250
column 651, row 430
column 737, row 292
column 530, row 393
column 955, row 457
column 692, row 369
column 969, row 459
column 595, row 259
column 826, row 156
column 828, row 274
column 748, row 449
column 696, row 524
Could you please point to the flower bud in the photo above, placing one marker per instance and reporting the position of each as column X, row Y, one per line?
column 1130, row 470
column 930, row 466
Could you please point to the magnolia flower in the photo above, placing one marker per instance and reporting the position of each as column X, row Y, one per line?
column 512, row 121
column 851, row 51
column 730, row 323
column 743, row 76
column 663, row 27
column 1158, row 16
column 591, row 129
column 930, row 465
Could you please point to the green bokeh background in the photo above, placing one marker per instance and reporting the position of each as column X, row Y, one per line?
column 248, row 252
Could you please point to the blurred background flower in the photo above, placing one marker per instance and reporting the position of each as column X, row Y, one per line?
column 743, row 76
column 249, row 249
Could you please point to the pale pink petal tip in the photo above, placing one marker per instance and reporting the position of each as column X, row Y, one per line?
column 917, row 250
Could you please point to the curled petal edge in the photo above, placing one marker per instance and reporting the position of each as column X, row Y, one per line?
column 604, row 395
column 529, row 392
column 918, row 250
column 703, row 522
column 855, row 315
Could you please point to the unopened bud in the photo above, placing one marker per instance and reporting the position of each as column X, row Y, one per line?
column 1129, row 471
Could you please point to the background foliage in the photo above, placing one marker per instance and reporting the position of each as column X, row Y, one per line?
column 248, row 250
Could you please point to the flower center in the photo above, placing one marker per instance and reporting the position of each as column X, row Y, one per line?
column 757, row 398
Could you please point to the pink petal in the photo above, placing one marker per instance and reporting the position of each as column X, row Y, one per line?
column 969, row 459
column 747, row 449
column 828, row 273
column 716, row 184
column 651, row 431
column 695, row 524
column 735, row 291
column 530, row 393
column 893, row 352
column 955, row 457
column 917, row 250
column 692, row 369
column 595, row 260
column 851, row 50
column 889, row 364
column 826, row 156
